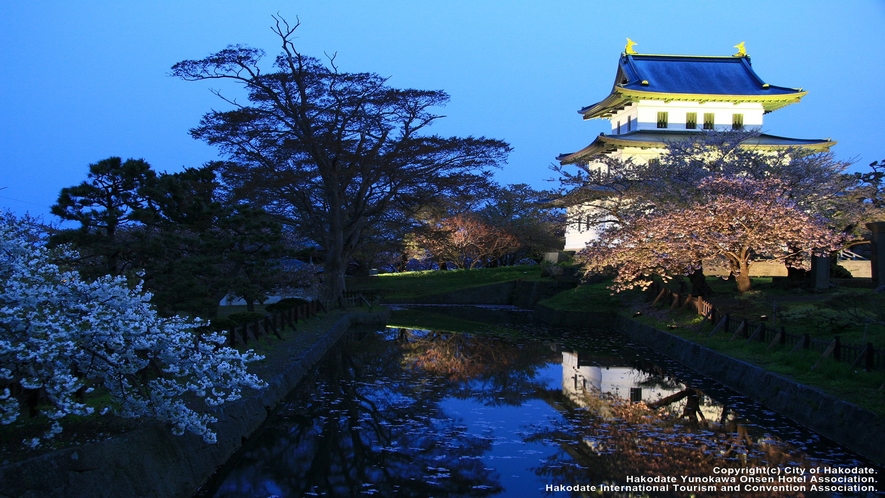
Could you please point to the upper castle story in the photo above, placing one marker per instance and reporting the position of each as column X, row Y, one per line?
column 682, row 92
column 661, row 98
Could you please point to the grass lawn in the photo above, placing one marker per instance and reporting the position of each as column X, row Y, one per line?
column 847, row 312
column 836, row 378
column 430, row 282
column 410, row 318
column 591, row 297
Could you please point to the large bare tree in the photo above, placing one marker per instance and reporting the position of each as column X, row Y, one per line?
column 331, row 153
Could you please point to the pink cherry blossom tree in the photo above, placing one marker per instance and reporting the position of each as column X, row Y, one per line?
column 466, row 241
column 736, row 218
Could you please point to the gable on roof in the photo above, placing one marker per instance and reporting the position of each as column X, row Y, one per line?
column 696, row 75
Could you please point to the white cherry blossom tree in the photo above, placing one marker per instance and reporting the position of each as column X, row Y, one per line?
column 62, row 337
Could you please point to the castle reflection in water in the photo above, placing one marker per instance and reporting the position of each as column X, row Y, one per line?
column 585, row 375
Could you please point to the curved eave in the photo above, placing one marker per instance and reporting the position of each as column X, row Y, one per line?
column 614, row 142
column 605, row 144
column 621, row 97
column 579, row 195
column 822, row 146
column 594, row 149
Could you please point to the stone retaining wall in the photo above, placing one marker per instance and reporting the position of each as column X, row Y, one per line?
column 861, row 430
column 151, row 462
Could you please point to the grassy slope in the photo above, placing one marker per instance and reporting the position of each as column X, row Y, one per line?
column 428, row 283
column 422, row 319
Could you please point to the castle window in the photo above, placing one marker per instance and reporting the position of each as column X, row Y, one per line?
column 629, row 123
column 635, row 394
column 709, row 120
column 691, row 120
column 619, row 127
column 662, row 119
column 737, row 122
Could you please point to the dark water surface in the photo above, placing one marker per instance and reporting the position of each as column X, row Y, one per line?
column 404, row 412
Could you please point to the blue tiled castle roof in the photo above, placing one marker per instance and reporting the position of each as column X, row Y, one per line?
column 691, row 77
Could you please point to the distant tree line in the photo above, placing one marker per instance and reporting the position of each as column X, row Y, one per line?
column 178, row 233
column 191, row 242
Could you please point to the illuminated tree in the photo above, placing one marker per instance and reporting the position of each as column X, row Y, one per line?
column 615, row 193
column 517, row 209
column 863, row 203
column 738, row 219
column 466, row 241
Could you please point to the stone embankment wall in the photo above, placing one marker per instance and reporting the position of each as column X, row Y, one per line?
column 861, row 430
column 574, row 318
column 151, row 462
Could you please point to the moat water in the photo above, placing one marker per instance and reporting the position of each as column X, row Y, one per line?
column 527, row 411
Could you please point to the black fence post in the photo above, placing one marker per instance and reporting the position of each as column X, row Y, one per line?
column 837, row 348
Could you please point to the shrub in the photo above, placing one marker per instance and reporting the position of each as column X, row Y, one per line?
column 549, row 269
column 220, row 324
column 285, row 304
column 245, row 317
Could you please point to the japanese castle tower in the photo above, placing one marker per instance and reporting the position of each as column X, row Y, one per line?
column 658, row 99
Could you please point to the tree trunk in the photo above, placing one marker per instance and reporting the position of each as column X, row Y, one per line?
column 699, row 286
column 216, row 296
column 337, row 255
column 743, row 278
column 333, row 277
column 403, row 263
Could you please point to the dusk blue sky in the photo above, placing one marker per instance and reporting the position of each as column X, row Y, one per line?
column 83, row 81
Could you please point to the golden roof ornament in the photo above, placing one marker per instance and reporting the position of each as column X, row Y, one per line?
column 629, row 48
column 742, row 51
